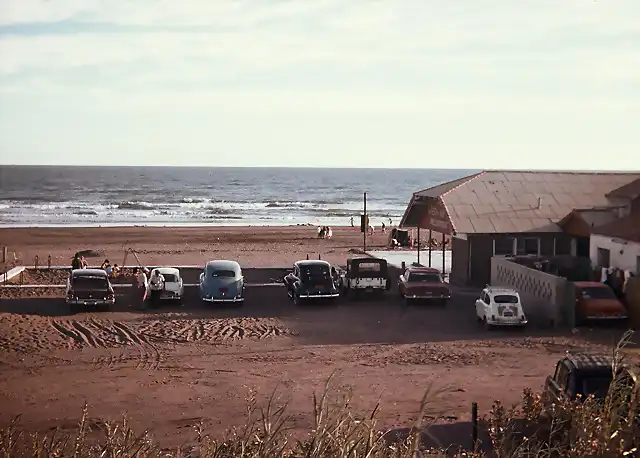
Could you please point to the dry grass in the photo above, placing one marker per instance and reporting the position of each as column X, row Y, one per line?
column 605, row 428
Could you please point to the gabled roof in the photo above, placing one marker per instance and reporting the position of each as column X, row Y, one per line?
column 629, row 191
column 497, row 201
column 627, row 228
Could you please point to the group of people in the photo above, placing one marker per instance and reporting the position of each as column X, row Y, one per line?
column 370, row 229
column 147, row 289
column 324, row 232
column 79, row 262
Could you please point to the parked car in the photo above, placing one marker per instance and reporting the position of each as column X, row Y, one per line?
column 423, row 283
column 312, row 280
column 222, row 281
column 581, row 375
column 89, row 287
column 597, row 301
column 173, row 286
column 366, row 275
column 500, row 307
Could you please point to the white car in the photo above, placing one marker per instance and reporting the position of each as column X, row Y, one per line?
column 500, row 307
column 173, row 285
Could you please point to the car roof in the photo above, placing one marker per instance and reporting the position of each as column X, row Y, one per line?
column 167, row 270
column 222, row 264
column 590, row 284
column 312, row 262
column 431, row 270
column 88, row 273
column 500, row 290
column 585, row 361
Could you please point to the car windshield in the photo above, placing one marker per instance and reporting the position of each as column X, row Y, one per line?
column 223, row 274
column 315, row 273
column 598, row 292
column 170, row 278
column 505, row 299
column 422, row 277
column 85, row 282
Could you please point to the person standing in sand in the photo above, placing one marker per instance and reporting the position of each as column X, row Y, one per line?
column 352, row 222
column 140, row 287
column 75, row 263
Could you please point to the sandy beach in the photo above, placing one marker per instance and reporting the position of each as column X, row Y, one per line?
column 250, row 246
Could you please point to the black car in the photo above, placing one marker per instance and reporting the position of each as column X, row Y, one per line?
column 365, row 274
column 89, row 288
column 581, row 375
column 312, row 280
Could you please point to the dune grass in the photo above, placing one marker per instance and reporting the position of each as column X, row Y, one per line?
column 591, row 428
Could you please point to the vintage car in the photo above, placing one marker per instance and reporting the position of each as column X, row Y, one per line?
column 423, row 283
column 597, row 301
column 173, row 287
column 578, row 376
column 89, row 287
column 500, row 307
column 366, row 275
column 222, row 282
column 312, row 280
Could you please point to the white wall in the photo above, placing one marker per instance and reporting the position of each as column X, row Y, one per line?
column 623, row 254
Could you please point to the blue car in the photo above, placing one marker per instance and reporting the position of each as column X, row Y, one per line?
column 222, row 281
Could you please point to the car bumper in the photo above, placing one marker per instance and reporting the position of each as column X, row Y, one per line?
column 91, row 301
column 320, row 296
column 607, row 318
column 507, row 323
column 223, row 299
column 166, row 295
column 426, row 296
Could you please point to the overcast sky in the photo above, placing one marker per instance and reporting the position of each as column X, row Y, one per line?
column 425, row 83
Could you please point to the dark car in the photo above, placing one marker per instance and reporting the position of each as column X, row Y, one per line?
column 581, row 375
column 366, row 274
column 89, row 288
column 423, row 283
column 312, row 280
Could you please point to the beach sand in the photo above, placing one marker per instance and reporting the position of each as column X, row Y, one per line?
column 250, row 246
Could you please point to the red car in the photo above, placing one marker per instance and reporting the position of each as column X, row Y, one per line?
column 423, row 283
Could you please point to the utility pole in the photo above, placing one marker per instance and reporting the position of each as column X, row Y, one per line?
column 366, row 224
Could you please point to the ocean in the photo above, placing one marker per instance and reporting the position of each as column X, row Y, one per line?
column 42, row 196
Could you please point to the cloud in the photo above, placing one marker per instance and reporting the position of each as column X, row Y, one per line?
column 430, row 60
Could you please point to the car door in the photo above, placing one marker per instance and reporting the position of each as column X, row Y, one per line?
column 481, row 304
column 557, row 384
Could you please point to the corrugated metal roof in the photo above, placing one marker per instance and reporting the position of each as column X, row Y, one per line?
column 630, row 190
column 519, row 201
column 627, row 228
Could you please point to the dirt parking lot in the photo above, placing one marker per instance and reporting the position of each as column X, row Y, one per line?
column 172, row 367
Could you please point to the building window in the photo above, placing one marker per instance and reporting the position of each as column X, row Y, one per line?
column 504, row 246
column 562, row 246
column 604, row 256
column 529, row 246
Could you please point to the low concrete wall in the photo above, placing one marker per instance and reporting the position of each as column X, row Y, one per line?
column 545, row 297
column 11, row 273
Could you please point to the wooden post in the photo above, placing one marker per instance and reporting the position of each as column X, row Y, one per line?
column 4, row 254
column 474, row 425
column 404, row 266
column 366, row 225
column 429, row 244
column 443, row 261
column 49, row 262
column 319, row 257
column 35, row 261
column 307, row 256
column 418, row 244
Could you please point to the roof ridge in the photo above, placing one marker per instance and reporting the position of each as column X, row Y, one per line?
column 444, row 204
column 570, row 172
column 463, row 180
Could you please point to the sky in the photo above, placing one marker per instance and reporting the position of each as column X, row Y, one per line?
column 500, row 84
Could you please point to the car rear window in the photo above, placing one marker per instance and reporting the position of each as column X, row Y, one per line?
column 505, row 299
column 315, row 273
column 598, row 292
column 369, row 266
column 424, row 277
column 83, row 282
column 223, row 273
column 170, row 278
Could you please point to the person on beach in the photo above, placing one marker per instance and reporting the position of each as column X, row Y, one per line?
column 142, row 285
column 115, row 271
column 352, row 225
column 83, row 262
column 156, row 282
column 384, row 228
column 75, row 263
column 329, row 232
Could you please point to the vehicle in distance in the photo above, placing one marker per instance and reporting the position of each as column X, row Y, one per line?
column 366, row 275
column 221, row 281
column 173, row 286
column 597, row 301
column 89, row 288
column 312, row 280
column 581, row 375
column 500, row 307
column 423, row 283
